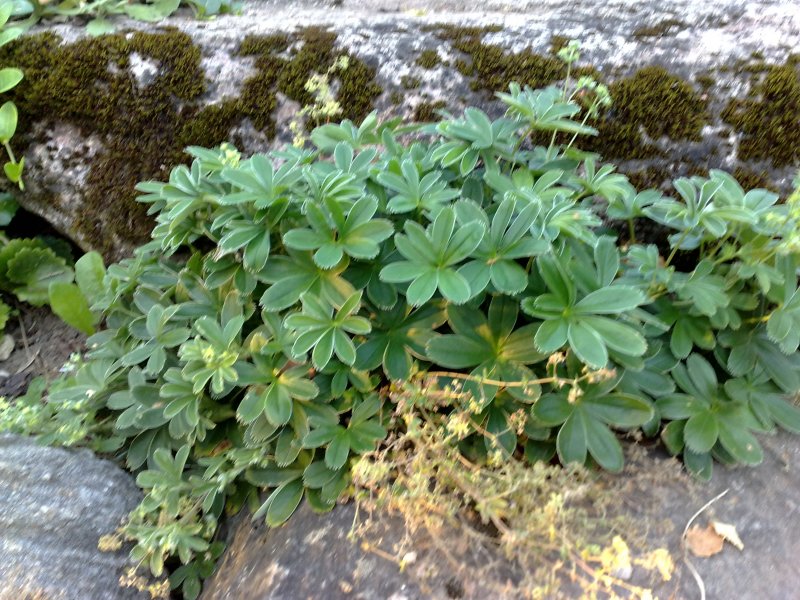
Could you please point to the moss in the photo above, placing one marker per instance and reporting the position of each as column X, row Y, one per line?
column 750, row 180
column 768, row 118
column 396, row 98
column 145, row 129
column 410, row 83
column 657, row 30
column 650, row 177
column 557, row 42
column 656, row 102
column 493, row 67
column 705, row 81
column 88, row 84
column 464, row 67
column 426, row 111
column 317, row 52
column 428, row 59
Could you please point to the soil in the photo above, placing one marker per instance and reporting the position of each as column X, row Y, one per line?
column 42, row 344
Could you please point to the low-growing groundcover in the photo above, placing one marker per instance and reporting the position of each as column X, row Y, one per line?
column 258, row 340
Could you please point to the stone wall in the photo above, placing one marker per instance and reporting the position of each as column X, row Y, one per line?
column 696, row 86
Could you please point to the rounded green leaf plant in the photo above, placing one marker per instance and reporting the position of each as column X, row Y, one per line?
column 255, row 342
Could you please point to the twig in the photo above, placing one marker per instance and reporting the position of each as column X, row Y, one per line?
column 31, row 356
column 692, row 569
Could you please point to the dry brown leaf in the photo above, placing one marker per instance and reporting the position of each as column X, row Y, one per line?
column 704, row 542
column 728, row 533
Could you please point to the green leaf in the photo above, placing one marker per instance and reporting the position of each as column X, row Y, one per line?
column 100, row 26
column 454, row 287
column 89, row 275
column 9, row 78
column 619, row 410
column 587, row 345
column 69, row 303
column 283, row 502
column 8, row 122
column 552, row 409
column 278, row 404
column 699, row 465
column 13, row 171
column 457, row 352
column 740, row 443
column 571, row 443
column 32, row 270
column 552, row 335
column 617, row 336
column 701, row 432
column 610, row 300
column 337, row 451
column 603, row 446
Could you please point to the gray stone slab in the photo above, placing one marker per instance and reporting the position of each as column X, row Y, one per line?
column 55, row 504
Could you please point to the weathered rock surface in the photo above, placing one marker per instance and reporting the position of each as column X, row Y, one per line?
column 99, row 115
column 55, row 504
column 309, row 557
column 312, row 557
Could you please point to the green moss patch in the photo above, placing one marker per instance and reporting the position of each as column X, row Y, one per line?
column 659, row 29
column 425, row 112
column 144, row 129
column 653, row 101
column 428, row 59
column 769, row 118
column 493, row 67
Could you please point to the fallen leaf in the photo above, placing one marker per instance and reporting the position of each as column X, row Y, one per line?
column 704, row 542
column 728, row 533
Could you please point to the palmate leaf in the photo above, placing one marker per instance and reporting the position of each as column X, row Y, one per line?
column 766, row 402
column 544, row 109
column 752, row 352
column 507, row 239
column 273, row 390
column 398, row 337
column 431, row 256
column 361, row 434
column 256, row 181
column 783, row 324
column 293, row 275
column 708, row 421
column 336, row 231
column 492, row 347
column 707, row 292
column 582, row 323
column 584, row 423
column 324, row 330
column 413, row 193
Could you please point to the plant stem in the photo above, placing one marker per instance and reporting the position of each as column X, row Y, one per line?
column 631, row 231
column 675, row 248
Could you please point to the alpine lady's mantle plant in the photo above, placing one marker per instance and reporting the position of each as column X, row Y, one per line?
column 253, row 343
